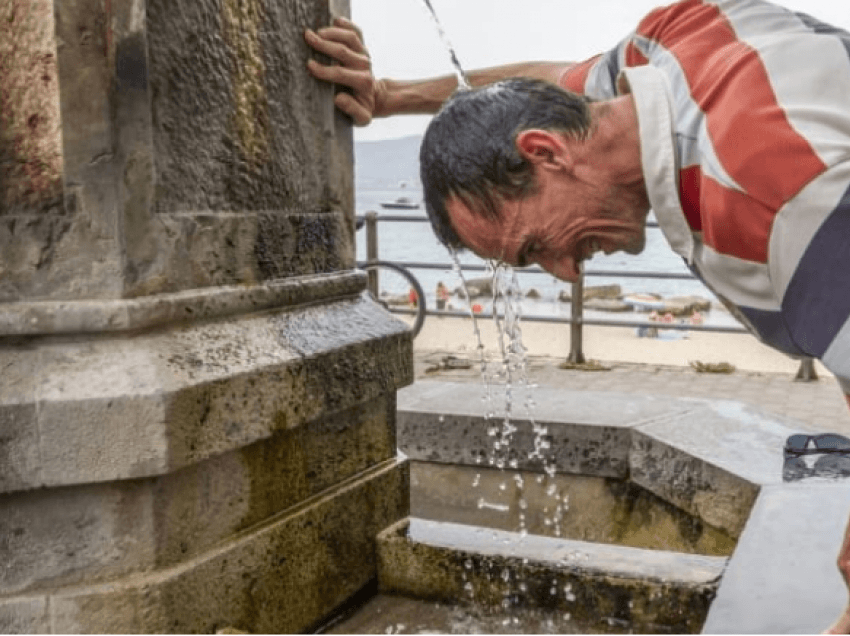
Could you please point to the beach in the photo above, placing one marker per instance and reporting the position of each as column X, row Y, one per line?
column 611, row 345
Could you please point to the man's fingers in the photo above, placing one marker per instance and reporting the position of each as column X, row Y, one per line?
column 346, row 37
column 354, row 109
column 360, row 81
column 343, row 42
column 340, row 52
column 348, row 24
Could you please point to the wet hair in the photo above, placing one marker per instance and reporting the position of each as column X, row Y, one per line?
column 469, row 149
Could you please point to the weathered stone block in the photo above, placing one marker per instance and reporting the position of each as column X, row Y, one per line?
column 299, row 244
column 24, row 616
column 201, row 505
column 282, row 576
column 711, row 461
column 134, row 448
column 19, row 447
column 30, row 137
column 157, row 146
column 124, row 408
column 237, row 123
column 95, row 532
column 61, row 536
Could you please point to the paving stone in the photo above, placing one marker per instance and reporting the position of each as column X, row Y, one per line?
column 783, row 578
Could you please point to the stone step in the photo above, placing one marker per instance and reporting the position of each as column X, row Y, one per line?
column 608, row 587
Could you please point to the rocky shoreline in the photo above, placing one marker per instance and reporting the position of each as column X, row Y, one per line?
column 608, row 298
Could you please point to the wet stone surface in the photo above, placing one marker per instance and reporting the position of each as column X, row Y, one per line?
column 600, row 585
column 581, row 507
column 389, row 614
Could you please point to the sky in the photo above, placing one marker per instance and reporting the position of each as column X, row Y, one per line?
column 404, row 43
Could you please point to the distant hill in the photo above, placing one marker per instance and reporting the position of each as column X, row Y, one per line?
column 385, row 163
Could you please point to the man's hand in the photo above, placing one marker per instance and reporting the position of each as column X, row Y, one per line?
column 343, row 42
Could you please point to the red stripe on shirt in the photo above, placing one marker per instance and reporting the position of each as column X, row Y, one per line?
column 634, row 56
column 689, row 190
column 734, row 223
column 729, row 82
column 575, row 77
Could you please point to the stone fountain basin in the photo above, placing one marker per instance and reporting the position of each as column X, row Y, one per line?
column 660, row 491
column 586, row 508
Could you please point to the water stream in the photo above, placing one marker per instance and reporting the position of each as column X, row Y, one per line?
column 462, row 81
column 506, row 384
column 510, row 373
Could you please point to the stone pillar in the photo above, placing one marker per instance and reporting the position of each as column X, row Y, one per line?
column 197, row 403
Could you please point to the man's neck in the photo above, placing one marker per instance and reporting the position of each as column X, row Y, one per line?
column 616, row 143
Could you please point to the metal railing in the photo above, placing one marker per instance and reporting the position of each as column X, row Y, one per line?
column 806, row 371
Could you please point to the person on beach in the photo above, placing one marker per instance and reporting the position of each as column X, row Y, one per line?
column 729, row 119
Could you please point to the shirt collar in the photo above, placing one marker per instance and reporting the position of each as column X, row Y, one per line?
column 651, row 95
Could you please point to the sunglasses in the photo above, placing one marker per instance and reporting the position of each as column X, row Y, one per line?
column 811, row 444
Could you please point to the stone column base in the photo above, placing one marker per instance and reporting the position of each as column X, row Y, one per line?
column 167, row 477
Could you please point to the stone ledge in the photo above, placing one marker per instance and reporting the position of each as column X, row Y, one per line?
column 582, row 437
column 40, row 318
column 149, row 404
column 649, row 590
column 281, row 576
column 707, row 457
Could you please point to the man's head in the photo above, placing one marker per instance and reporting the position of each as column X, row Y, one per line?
column 506, row 173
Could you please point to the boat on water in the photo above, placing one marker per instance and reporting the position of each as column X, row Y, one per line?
column 402, row 203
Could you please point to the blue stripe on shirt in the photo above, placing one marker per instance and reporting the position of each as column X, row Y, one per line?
column 771, row 328
column 817, row 301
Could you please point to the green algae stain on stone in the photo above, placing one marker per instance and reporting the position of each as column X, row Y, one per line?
column 30, row 141
column 241, row 25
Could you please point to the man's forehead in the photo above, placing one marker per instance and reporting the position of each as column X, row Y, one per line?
column 485, row 236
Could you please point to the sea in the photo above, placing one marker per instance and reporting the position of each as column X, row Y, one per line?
column 415, row 242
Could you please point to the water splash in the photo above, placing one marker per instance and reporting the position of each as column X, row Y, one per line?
column 462, row 81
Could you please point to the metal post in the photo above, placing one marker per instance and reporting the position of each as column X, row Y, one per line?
column 372, row 249
column 806, row 372
column 577, row 312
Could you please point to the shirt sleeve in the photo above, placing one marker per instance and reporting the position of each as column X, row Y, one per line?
column 597, row 77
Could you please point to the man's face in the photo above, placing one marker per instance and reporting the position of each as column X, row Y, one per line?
column 563, row 223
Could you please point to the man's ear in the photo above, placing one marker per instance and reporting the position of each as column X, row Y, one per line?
column 544, row 148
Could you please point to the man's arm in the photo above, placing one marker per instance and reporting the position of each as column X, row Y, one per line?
column 371, row 97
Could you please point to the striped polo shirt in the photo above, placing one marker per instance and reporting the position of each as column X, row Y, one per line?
column 744, row 115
